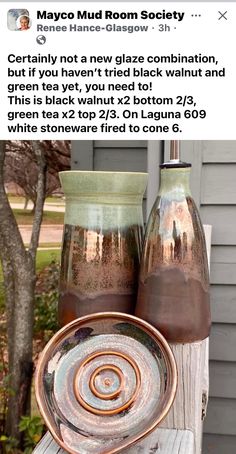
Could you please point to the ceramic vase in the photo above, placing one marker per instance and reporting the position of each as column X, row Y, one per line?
column 102, row 242
column 173, row 290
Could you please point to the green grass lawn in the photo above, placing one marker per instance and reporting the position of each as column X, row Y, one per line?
column 55, row 200
column 48, row 245
column 44, row 258
column 25, row 217
column 19, row 199
column 16, row 199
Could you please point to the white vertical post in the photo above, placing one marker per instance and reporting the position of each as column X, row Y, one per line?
column 193, row 382
column 205, row 378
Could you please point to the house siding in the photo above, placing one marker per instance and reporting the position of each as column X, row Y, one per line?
column 106, row 155
column 214, row 187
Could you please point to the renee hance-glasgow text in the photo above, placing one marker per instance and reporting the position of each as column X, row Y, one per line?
column 92, row 28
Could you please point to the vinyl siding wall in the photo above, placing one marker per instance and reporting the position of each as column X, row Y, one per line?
column 214, row 189
column 120, row 156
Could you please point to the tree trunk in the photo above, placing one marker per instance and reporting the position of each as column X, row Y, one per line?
column 19, row 277
column 19, row 292
column 9, row 292
column 21, row 365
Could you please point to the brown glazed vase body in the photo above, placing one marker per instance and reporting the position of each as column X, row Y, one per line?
column 102, row 242
column 173, row 290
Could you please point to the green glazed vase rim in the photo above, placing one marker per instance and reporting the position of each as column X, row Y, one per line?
column 79, row 183
column 69, row 172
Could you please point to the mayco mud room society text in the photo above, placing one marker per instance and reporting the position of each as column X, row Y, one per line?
column 114, row 15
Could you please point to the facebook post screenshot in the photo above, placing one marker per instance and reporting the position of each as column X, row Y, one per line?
column 122, row 71
column 117, row 227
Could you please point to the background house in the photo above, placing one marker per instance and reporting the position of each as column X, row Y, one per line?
column 213, row 183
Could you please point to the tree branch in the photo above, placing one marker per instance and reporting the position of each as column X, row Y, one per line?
column 8, row 226
column 38, row 214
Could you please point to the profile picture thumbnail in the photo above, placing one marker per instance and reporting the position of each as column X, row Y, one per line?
column 18, row 19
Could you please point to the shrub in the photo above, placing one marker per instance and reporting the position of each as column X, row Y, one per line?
column 32, row 428
column 46, row 300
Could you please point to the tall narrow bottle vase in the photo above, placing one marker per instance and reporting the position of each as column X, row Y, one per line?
column 174, row 282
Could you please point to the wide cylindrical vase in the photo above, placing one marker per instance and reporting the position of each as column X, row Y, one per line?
column 101, row 243
column 174, row 281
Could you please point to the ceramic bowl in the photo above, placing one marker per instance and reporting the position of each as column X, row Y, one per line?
column 104, row 381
